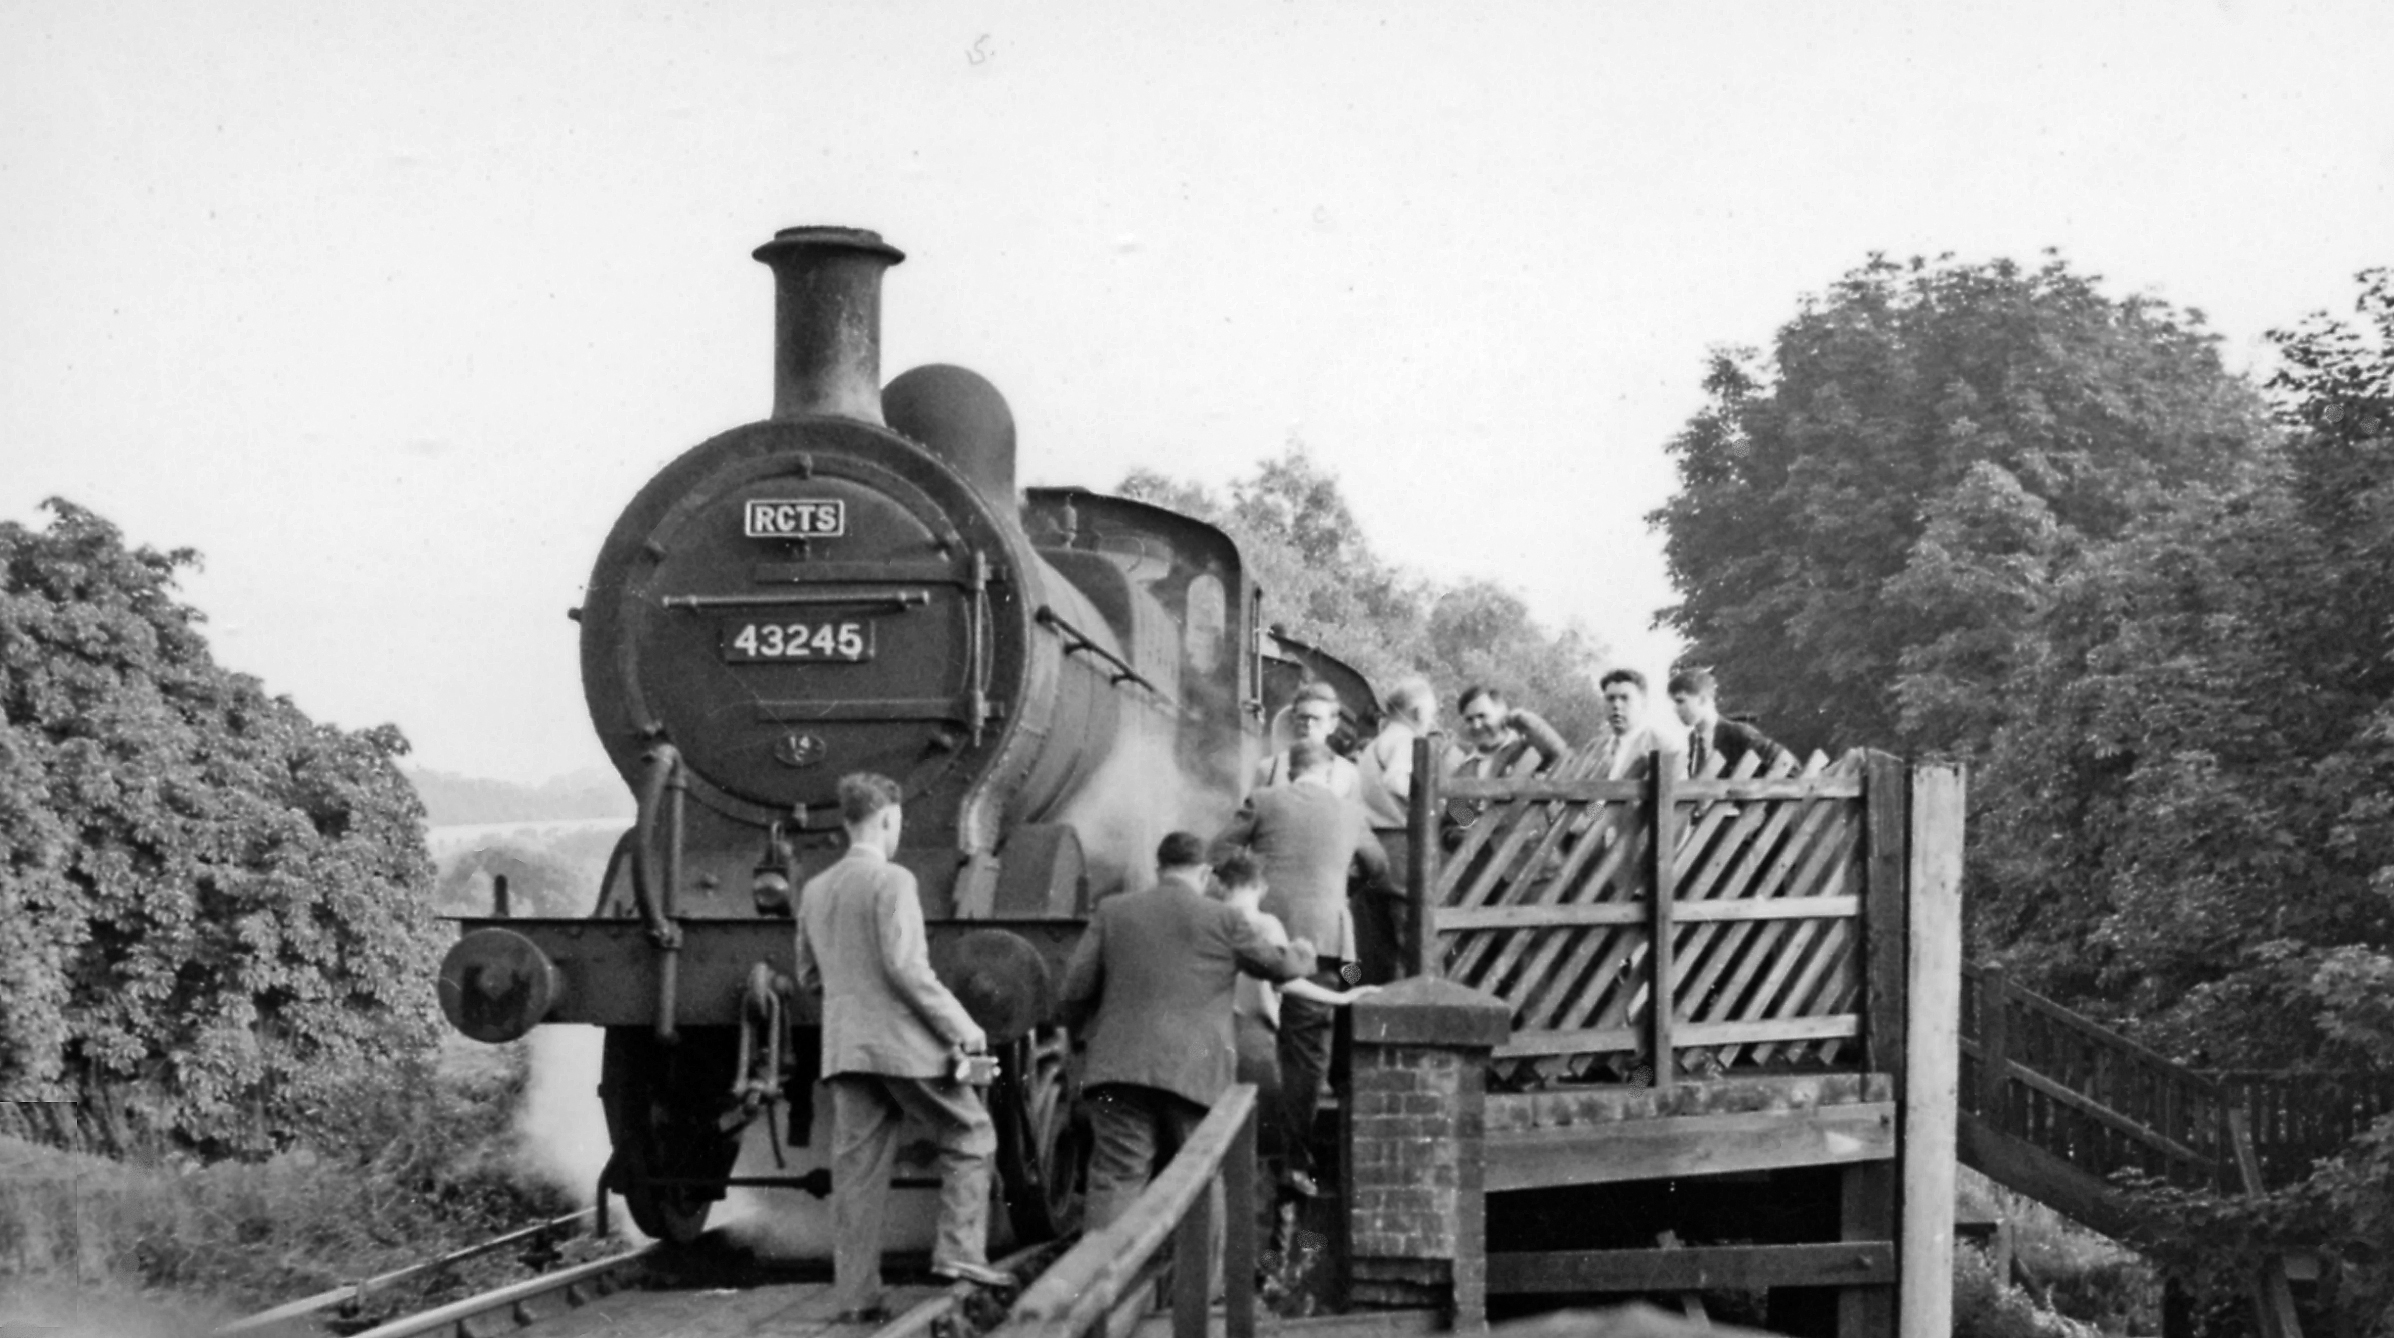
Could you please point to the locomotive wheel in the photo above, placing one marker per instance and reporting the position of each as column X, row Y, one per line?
column 1043, row 1146
column 663, row 1105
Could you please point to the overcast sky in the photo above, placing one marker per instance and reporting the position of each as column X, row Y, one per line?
column 388, row 309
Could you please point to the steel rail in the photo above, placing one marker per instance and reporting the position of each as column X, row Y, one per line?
column 356, row 1291
column 576, row 1286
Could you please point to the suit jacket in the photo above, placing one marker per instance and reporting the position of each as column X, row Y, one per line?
column 1160, row 968
column 861, row 947
column 1626, row 753
column 1733, row 739
column 1306, row 837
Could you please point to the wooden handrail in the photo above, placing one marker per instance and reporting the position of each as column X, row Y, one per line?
column 1097, row 1276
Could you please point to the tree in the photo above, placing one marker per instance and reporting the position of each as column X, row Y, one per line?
column 1884, row 500
column 204, row 896
column 1324, row 582
column 2182, row 818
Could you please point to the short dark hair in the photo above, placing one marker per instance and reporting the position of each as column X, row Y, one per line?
column 1630, row 676
column 1239, row 870
column 865, row 793
column 1179, row 850
column 1695, row 682
column 1316, row 691
column 1307, row 756
column 1475, row 692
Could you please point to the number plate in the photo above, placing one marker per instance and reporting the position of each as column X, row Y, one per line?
column 798, row 641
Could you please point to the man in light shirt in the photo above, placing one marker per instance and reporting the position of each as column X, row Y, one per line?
column 1315, row 712
column 1633, row 737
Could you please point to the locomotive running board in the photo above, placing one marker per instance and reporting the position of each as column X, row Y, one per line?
column 607, row 969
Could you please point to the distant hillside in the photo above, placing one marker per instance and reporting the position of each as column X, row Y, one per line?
column 451, row 801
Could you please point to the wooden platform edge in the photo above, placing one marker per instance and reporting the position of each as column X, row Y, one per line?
column 1665, row 1148
column 1694, row 1268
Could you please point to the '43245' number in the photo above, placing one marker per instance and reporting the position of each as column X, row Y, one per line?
column 801, row 641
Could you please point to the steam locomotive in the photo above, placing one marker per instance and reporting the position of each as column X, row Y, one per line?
column 1055, row 678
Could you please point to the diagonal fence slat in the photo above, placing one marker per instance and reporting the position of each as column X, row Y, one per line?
column 1545, row 901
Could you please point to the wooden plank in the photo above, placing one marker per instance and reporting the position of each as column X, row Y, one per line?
column 1421, row 839
column 1102, row 1271
column 2018, row 1165
column 1576, row 1041
column 1658, row 1149
column 1866, row 1211
column 1663, row 813
column 1544, row 915
column 2273, row 1293
column 1192, row 1268
column 1240, row 1247
column 1770, row 1029
column 1736, row 789
column 1886, row 807
column 1994, row 1061
column 2103, row 1115
column 1777, row 908
column 1694, row 1268
column 1545, row 788
column 1932, row 1073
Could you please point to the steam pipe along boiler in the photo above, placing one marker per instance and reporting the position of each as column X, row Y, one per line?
column 1055, row 678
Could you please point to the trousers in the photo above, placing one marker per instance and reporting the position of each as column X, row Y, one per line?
column 867, row 1110
column 1133, row 1132
column 1306, row 1032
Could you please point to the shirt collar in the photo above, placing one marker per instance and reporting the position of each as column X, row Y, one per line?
column 871, row 854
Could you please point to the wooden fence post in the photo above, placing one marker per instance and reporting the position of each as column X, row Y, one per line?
column 1871, row 1208
column 1994, row 1061
column 1421, row 831
column 1239, row 1235
column 1662, row 819
column 1933, row 1058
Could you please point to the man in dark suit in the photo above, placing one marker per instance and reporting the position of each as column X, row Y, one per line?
column 1306, row 837
column 1695, row 696
column 891, row 1034
column 1157, row 970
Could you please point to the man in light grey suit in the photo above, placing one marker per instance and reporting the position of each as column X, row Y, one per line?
column 1158, row 969
column 891, row 1035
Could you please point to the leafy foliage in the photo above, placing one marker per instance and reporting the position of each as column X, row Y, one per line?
column 1323, row 582
column 1867, row 520
column 203, row 894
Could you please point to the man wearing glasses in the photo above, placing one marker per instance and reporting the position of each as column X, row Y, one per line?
column 1316, row 712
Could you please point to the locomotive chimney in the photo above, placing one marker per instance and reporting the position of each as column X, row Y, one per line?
column 827, row 320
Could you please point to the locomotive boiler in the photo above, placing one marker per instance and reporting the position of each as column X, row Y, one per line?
column 1054, row 677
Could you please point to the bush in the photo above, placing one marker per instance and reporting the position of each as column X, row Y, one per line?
column 427, row 1164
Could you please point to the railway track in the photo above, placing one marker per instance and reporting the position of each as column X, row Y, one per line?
column 712, row 1289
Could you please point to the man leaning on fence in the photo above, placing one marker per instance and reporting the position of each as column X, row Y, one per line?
column 1152, row 981
column 891, row 1036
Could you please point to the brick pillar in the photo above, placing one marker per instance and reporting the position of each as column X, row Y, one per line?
column 1412, row 1148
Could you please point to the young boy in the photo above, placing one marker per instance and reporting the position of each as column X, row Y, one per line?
column 1239, row 882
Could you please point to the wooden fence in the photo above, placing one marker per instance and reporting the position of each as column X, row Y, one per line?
column 1104, row 1281
column 2037, row 1072
column 1569, row 897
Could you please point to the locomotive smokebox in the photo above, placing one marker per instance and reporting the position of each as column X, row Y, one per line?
column 827, row 320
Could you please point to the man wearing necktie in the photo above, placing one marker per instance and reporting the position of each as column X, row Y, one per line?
column 1694, row 695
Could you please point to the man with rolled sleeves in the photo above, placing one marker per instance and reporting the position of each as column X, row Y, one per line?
column 891, row 1036
column 1152, row 982
column 1307, row 837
